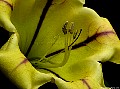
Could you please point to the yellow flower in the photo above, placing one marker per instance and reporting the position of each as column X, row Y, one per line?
column 57, row 41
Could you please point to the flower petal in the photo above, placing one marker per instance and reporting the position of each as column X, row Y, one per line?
column 12, row 62
column 95, row 43
column 16, row 66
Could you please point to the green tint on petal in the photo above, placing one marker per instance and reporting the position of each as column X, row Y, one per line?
column 51, row 30
column 52, row 25
column 25, row 18
column 96, row 43
column 19, row 70
column 13, row 63
column 90, row 39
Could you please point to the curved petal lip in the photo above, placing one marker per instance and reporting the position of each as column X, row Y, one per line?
column 10, row 5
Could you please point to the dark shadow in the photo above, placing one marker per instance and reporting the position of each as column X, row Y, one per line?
column 111, row 74
column 107, row 9
column 5, row 83
column 49, row 86
column 4, row 36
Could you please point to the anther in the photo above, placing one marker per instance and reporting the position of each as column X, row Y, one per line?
column 71, row 28
column 64, row 28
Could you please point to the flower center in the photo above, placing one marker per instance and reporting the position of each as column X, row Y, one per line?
column 71, row 37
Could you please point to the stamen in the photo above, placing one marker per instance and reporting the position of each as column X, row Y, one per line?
column 71, row 28
column 75, row 34
column 76, row 37
column 64, row 28
column 69, row 41
column 49, row 48
column 47, row 65
column 40, row 59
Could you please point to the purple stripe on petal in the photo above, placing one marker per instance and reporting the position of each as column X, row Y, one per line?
column 10, row 5
column 86, row 83
column 22, row 62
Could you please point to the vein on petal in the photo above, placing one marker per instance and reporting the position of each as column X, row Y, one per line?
column 22, row 62
column 84, row 43
column 86, row 83
column 10, row 5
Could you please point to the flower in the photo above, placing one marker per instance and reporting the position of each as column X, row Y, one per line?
column 57, row 41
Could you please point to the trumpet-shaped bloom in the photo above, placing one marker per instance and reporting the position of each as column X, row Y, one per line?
column 57, row 41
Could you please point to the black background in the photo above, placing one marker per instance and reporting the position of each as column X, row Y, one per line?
column 110, row 10
column 105, row 8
